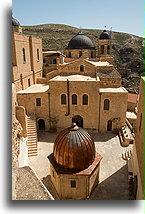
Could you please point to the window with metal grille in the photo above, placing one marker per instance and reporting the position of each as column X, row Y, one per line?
column 38, row 101
column 73, row 183
column 74, row 99
column 106, row 104
column 81, row 68
column 85, row 99
column 63, row 99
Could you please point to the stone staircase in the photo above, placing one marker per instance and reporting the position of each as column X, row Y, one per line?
column 32, row 136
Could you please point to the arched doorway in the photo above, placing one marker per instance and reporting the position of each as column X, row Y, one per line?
column 78, row 120
column 109, row 125
column 41, row 124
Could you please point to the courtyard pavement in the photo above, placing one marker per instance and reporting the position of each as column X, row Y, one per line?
column 113, row 170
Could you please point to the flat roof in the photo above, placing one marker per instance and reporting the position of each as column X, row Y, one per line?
column 131, row 115
column 99, row 63
column 117, row 90
column 36, row 88
column 73, row 78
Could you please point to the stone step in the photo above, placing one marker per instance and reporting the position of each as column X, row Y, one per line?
column 32, row 131
column 31, row 128
column 32, row 147
column 32, row 144
column 32, row 150
column 29, row 156
column 32, row 153
column 32, row 137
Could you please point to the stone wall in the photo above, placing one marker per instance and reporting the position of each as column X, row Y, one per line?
column 27, row 65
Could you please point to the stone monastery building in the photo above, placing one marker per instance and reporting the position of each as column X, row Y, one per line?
column 80, row 85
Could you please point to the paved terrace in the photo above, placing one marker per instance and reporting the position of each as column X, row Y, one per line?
column 113, row 170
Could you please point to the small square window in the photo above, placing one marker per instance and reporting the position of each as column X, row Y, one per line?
column 38, row 101
column 73, row 183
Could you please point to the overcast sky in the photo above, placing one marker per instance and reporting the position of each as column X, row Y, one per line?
column 122, row 15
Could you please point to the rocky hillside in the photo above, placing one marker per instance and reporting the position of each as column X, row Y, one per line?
column 127, row 48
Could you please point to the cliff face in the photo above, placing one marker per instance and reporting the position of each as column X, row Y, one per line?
column 127, row 48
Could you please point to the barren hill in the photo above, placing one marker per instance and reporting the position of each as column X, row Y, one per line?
column 127, row 48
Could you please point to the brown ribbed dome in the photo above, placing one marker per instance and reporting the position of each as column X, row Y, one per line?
column 74, row 149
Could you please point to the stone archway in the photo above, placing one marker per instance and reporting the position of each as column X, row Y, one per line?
column 41, row 124
column 109, row 125
column 78, row 120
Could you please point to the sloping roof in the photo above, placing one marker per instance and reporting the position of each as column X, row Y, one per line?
column 52, row 53
column 108, row 73
column 29, row 187
column 132, row 98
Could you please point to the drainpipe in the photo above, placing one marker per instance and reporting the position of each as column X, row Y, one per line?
column 68, row 95
column 99, row 112
column 49, row 110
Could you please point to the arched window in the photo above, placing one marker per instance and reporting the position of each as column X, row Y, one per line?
column 106, row 104
column 24, row 56
column 63, row 99
column 37, row 54
column 108, row 49
column 81, row 68
column 85, row 99
column 69, row 54
column 102, row 49
column 74, row 99
column 80, row 53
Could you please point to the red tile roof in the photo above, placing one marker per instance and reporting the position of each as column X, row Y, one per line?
column 133, row 98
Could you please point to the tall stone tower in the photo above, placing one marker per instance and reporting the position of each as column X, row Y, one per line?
column 105, row 47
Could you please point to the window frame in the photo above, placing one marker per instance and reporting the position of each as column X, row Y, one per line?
column 63, row 103
column 38, row 58
column 108, row 49
column 74, row 99
column 106, row 105
column 82, row 68
column 38, row 103
column 84, row 101
column 102, row 49
column 73, row 183
column 29, row 82
column 24, row 55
